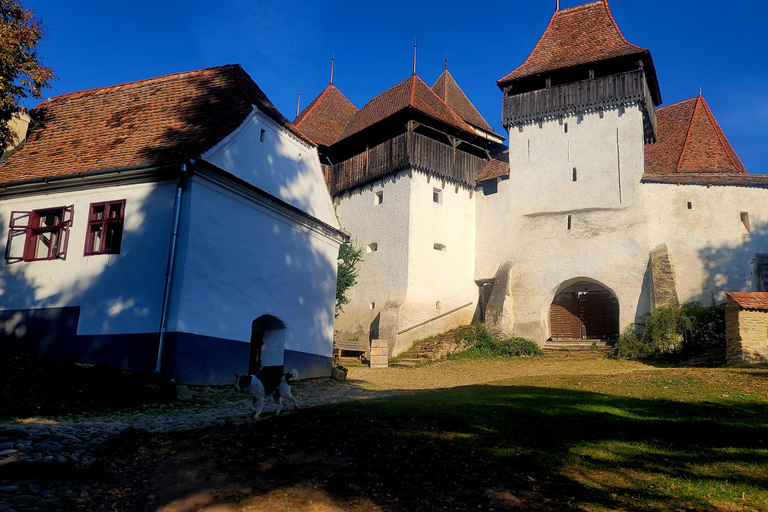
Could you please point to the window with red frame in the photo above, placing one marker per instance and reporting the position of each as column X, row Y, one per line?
column 105, row 228
column 39, row 234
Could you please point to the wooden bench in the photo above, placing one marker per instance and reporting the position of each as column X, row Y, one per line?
column 361, row 347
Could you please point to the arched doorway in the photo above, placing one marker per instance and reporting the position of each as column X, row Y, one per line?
column 584, row 310
column 267, row 343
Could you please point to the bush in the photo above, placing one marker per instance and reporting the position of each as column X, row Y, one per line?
column 690, row 327
column 479, row 343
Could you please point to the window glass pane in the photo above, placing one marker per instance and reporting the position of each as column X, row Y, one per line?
column 50, row 218
column 114, row 237
column 98, row 212
column 47, row 245
column 94, row 238
column 16, row 242
column 114, row 210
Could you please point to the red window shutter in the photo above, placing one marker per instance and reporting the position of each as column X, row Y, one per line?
column 15, row 248
column 66, row 223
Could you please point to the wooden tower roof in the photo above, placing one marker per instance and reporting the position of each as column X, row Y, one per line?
column 325, row 119
column 577, row 36
column 449, row 91
column 413, row 94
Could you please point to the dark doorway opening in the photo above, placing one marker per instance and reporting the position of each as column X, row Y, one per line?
column 584, row 311
column 267, row 343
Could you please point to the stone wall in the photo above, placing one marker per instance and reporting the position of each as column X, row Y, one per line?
column 746, row 334
column 663, row 288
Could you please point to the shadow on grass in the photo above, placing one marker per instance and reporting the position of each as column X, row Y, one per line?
column 480, row 448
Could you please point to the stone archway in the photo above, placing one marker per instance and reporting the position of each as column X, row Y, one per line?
column 584, row 310
column 267, row 343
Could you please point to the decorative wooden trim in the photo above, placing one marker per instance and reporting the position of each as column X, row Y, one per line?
column 597, row 94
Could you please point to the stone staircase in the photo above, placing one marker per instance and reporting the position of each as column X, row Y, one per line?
column 436, row 348
column 561, row 345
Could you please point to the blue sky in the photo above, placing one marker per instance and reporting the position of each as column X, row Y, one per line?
column 286, row 46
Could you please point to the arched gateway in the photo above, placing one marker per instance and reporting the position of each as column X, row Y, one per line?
column 584, row 310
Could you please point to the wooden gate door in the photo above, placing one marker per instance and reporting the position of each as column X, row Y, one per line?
column 600, row 315
column 565, row 317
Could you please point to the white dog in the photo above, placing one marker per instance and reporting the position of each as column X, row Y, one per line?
column 261, row 386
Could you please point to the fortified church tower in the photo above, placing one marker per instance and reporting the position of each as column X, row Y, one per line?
column 601, row 208
column 402, row 171
column 611, row 208
column 578, row 111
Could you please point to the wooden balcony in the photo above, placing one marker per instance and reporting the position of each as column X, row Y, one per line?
column 409, row 150
column 581, row 97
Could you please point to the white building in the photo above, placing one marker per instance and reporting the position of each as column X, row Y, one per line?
column 601, row 208
column 195, row 168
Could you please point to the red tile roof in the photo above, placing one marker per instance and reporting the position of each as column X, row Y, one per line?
column 690, row 141
column 411, row 93
column 325, row 119
column 754, row 300
column 158, row 120
column 497, row 167
column 575, row 36
column 709, row 179
column 449, row 91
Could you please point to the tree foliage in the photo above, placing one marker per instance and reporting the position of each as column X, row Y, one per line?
column 22, row 73
column 349, row 257
column 690, row 327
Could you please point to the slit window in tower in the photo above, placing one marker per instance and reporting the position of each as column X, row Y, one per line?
column 745, row 223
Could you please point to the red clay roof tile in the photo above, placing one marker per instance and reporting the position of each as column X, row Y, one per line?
column 411, row 93
column 575, row 36
column 158, row 120
column 754, row 300
column 690, row 141
column 497, row 167
column 449, row 91
column 325, row 119
column 731, row 179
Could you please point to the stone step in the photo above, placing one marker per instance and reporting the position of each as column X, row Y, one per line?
column 406, row 363
column 557, row 346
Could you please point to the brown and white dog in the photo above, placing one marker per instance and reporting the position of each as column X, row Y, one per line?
column 262, row 385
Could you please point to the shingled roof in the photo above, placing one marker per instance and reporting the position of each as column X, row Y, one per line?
column 449, row 91
column 412, row 93
column 576, row 36
column 158, row 120
column 754, row 300
column 690, row 141
column 325, row 119
column 497, row 167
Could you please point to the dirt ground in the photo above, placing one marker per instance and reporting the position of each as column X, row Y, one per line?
column 467, row 372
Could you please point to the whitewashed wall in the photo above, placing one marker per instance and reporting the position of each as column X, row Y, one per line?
column 708, row 251
column 525, row 223
column 252, row 258
column 276, row 162
column 445, row 277
column 383, row 274
column 240, row 258
column 406, row 271
column 118, row 293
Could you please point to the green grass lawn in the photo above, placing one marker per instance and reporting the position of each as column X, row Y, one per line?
column 682, row 439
